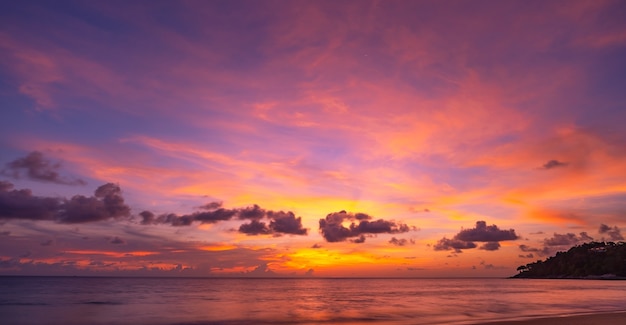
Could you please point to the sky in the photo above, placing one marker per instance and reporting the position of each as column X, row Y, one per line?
column 308, row 138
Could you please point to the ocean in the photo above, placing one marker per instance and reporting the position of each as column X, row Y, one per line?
column 110, row 300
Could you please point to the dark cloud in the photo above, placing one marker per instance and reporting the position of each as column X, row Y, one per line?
column 484, row 233
column 255, row 227
column 556, row 243
column 286, row 223
column 36, row 167
column 147, row 218
column 358, row 240
column 22, row 204
column 254, row 212
column 220, row 214
column 568, row 239
column 333, row 230
column 544, row 251
column 117, row 240
column 553, row 164
column 490, row 246
column 526, row 248
column 5, row 186
column 491, row 266
column 362, row 216
column 614, row 233
column 400, row 242
column 490, row 235
column 211, row 206
column 445, row 244
column 280, row 222
column 107, row 203
column 212, row 216
column 316, row 246
column 529, row 255
column 585, row 237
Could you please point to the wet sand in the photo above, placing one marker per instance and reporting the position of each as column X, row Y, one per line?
column 593, row 319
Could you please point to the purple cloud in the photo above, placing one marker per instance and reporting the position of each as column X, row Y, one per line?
column 333, row 230
column 553, row 164
column 36, row 167
column 490, row 235
column 614, row 233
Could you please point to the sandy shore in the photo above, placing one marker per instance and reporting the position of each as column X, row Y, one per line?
column 593, row 319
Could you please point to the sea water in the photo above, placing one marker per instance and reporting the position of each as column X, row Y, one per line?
column 93, row 300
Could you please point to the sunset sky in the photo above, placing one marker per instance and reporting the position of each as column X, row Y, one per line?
column 308, row 138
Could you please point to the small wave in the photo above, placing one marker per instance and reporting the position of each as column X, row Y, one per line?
column 9, row 303
column 101, row 303
column 290, row 321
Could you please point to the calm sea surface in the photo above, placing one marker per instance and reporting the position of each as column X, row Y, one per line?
column 78, row 300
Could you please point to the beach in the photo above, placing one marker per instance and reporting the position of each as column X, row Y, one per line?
column 588, row 319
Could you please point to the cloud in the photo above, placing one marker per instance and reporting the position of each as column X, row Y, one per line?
column 400, row 242
column 490, row 246
column 445, row 244
column 212, row 216
column 484, row 233
column 21, row 204
column 254, row 212
column 147, row 218
column 261, row 271
column 117, row 240
column 568, row 239
column 526, row 248
column 220, row 214
column 211, row 206
column 585, row 237
column 554, row 164
column 358, row 240
column 286, row 223
column 107, row 203
column 36, row 167
column 255, row 227
column 556, row 242
column 614, row 233
column 490, row 235
column 280, row 222
column 333, row 230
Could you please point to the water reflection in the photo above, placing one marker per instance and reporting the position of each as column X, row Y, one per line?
column 233, row 301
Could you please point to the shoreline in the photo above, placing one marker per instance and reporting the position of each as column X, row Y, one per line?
column 603, row 318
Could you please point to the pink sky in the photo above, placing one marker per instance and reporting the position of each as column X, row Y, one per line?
column 459, row 138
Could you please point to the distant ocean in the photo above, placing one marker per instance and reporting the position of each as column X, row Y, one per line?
column 84, row 300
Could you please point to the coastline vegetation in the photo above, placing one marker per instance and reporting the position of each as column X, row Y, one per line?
column 594, row 260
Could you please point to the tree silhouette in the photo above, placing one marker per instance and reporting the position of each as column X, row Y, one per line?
column 594, row 259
